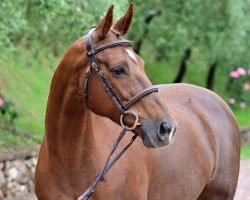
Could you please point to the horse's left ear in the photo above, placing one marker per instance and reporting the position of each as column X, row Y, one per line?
column 123, row 25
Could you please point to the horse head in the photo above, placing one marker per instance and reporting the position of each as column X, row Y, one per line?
column 125, row 71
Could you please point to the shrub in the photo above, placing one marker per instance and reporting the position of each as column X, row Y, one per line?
column 8, row 113
column 239, row 89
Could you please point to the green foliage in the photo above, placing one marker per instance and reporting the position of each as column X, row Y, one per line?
column 54, row 23
column 239, row 88
column 12, row 24
column 8, row 113
column 218, row 31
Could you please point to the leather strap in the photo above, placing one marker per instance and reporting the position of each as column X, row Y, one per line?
column 108, row 88
column 140, row 95
column 91, row 50
column 106, row 46
column 100, row 176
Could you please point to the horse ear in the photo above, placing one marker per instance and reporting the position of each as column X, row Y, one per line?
column 103, row 28
column 123, row 25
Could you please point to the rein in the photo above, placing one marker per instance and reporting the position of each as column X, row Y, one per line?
column 123, row 108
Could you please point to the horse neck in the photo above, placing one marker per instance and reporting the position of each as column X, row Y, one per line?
column 67, row 117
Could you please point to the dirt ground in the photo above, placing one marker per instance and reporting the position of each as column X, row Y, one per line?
column 243, row 189
column 242, row 192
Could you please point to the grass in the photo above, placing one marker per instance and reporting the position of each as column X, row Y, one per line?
column 10, row 141
column 245, row 151
column 27, row 75
column 26, row 79
column 243, row 117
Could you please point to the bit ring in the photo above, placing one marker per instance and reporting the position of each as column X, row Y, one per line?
column 136, row 122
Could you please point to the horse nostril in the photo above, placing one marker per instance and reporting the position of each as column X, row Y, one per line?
column 164, row 130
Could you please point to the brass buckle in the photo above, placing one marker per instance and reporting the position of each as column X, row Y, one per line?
column 136, row 122
column 101, row 72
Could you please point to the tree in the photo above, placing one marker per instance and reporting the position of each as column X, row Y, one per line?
column 215, row 31
column 56, row 24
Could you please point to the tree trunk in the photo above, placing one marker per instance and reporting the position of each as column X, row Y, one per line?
column 210, row 77
column 183, row 66
column 148, row 19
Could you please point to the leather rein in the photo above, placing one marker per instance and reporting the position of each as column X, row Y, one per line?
column 123, row 108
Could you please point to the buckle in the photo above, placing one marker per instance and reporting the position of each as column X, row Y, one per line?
column 94, row 66
column 136, row 122
column 101, row 72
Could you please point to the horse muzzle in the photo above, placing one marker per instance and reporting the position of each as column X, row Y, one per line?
column 157, row 135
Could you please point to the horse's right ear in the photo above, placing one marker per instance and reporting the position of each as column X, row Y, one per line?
column 103, row 28
column 123, row 24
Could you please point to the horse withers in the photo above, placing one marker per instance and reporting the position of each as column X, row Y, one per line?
column 202, row 163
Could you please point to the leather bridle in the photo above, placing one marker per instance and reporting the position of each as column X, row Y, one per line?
column 123, row 108
column 103, row 79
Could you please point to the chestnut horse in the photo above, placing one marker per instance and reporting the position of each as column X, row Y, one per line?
column 202, row 163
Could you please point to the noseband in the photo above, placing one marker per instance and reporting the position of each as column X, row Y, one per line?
column 123, row 108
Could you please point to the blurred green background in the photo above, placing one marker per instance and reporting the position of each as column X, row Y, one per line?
column 194, row 41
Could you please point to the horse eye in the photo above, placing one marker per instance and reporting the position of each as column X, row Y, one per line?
column 117, row 71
